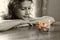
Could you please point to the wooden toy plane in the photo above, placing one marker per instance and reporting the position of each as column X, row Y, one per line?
column 43, row 25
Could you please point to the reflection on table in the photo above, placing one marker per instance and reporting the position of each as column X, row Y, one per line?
column 30, row 34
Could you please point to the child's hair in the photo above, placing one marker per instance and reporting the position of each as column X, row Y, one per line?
column 14, row 4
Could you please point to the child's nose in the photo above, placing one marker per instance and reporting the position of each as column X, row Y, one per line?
column 27, row 12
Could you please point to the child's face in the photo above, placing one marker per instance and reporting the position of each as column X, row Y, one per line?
column 24, row 11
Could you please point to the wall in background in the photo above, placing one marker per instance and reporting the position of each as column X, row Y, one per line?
column 54, row 9
column 36, row 12
column 38, row 8
column 3, row 7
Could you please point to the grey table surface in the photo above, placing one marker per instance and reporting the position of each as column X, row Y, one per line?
column 31, row 34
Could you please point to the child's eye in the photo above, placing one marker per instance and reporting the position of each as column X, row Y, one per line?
column 29, row 8
column 22, row 9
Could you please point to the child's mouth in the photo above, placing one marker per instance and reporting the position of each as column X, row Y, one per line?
column 26, row 16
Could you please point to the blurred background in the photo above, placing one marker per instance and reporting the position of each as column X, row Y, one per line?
column 40, row 8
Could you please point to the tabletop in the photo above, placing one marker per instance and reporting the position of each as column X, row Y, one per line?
column 30, row 34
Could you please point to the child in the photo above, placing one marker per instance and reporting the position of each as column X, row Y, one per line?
column 20, row 9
